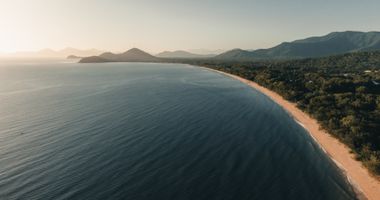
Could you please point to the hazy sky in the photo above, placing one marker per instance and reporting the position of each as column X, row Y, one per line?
column 156, row 25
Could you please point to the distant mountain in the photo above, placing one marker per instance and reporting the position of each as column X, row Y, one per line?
column 49, row 53
column 94, row 59
column 73, row 57
column 80, row 52
column 132, row 55
column 236, row 54
column 331, row 44
column 206, row 51
column 182, row 54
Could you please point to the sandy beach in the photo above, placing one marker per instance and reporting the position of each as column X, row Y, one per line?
column 366, row 186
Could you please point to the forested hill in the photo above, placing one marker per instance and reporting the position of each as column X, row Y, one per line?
column 346, row 62
column 182, row 54
column 341, row 92
column 331, row 44
column 132, row 55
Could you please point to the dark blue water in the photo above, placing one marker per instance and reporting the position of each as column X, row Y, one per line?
column 151, row 131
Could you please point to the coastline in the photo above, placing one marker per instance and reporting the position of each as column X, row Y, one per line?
column 364, row 184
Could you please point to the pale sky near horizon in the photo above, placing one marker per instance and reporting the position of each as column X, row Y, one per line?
column 156, row 25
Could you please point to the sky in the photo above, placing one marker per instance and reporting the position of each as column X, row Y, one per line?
column 157, row 25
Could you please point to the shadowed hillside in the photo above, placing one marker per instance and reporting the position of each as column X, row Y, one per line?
column 132, row 55
column 331, row 44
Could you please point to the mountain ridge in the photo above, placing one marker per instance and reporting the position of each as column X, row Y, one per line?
column 182, row 54
column 131, row 55
column 334, row 43
column 318, row 46
column 50, row 53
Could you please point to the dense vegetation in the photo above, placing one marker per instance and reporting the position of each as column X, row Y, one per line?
column 341, row 92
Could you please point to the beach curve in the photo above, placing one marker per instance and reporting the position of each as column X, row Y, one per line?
column 365, row 185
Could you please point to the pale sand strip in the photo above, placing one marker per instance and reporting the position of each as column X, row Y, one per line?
column 359, row 177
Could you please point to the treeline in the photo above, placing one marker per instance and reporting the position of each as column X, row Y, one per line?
column 341, row 92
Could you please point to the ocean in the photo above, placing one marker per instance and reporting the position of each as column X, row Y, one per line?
column 144, row 131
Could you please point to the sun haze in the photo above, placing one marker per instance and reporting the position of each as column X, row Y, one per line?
column 155, row 26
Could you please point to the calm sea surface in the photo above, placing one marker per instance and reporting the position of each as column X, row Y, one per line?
column 151, row 131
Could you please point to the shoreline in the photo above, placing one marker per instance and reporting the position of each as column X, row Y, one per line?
column 364, row 184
